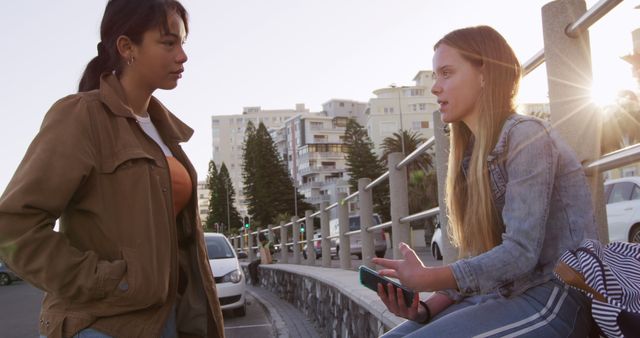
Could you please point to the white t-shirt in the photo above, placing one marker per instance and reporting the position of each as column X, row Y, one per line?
column 149, row 129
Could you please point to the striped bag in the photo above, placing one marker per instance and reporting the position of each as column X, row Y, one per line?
column 610, row 276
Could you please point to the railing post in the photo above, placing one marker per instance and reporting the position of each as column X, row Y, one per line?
column 284, row 253
column 449, row 253
column 366, row 221
column 343, row 225
column 296, row 238
column 325, row 232
column 270, row 235
column 252, row 254
column 399, row 203
column 257, row 241
column 308, row 230
column 242, row 240
column 573, row 115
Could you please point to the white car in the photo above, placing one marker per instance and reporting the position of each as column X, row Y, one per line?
column 230, row 280
column 623, row 209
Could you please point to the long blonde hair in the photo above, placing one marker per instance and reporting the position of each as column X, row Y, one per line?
column 475, row 224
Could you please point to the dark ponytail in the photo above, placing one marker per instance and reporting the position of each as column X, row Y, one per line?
column 131, row 19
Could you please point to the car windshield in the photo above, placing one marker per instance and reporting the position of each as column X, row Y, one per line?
column 218, row 248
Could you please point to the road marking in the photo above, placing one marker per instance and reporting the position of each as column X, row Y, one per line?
column 245, row 326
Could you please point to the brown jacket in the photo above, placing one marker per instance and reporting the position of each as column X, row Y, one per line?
column 114, row 264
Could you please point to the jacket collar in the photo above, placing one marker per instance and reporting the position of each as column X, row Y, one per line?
column 112, row 95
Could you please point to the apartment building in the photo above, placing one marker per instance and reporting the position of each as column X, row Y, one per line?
column 228, row 138
column 312, row 145
column 402, row 107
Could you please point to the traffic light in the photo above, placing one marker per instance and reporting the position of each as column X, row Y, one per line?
column 302, row 228
column 246, row 222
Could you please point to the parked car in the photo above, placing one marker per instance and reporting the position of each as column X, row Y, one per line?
column 623, row 208
column 436, row 243
column 230, row 280
column 7, row 276
column 355, row 241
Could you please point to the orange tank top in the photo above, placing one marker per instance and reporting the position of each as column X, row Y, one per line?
column 180, row 183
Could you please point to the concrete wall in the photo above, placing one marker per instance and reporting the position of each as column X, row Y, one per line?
column 332, row 299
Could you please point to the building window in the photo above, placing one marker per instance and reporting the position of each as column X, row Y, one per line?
column 424, row 124
column 215, row 122
column 388, row 110
column 388, row 127
column 417, row 92
column 341, row 104
column 316, row 125
column 423, row 106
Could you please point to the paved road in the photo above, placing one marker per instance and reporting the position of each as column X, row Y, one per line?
column 20, row 308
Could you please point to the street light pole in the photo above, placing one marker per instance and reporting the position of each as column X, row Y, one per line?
column 399, row 89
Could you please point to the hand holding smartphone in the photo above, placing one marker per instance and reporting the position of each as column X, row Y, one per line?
column 370, row 278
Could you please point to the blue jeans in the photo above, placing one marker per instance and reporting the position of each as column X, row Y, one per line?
column 169, row 331
column 548, row 310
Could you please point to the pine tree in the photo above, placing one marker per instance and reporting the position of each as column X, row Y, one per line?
column 362, row 162
column 268, row 187
column 226, row 206
column 212, row 185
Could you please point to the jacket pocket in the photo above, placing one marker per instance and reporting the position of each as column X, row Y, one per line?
column 137, row 289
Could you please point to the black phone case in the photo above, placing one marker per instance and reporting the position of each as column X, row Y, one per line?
column 370, row 279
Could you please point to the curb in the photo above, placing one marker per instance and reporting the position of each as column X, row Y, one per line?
column 280, row 327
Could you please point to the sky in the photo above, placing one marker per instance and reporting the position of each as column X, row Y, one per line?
column 274, row 54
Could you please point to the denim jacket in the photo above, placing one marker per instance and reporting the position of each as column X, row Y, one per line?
column 540, row 190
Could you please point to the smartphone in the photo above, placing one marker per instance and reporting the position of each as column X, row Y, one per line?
column 370, row 278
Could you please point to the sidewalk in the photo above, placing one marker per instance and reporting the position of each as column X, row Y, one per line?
column 287, row 321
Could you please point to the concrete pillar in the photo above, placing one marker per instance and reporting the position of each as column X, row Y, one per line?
column 343, row 225
column 296, row 240
column 449, row 253
column 309, row 230
column 257, row 241
column 398, row 193
column 284, row 253
column 325, row 232
column 573, row 115
column 251, row 252
column 365, row 204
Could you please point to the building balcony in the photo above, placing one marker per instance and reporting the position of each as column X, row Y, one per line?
column 322, row 156
column 315, row 170
column 318, row 199
column 310, row 185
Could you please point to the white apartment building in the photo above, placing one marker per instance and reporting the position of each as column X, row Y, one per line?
column 228, row 138
column 402, row 107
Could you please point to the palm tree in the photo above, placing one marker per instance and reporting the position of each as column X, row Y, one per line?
column 412, row 140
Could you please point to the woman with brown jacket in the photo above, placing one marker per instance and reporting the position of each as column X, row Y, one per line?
column 129, row 259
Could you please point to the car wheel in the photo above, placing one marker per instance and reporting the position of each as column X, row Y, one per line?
column 380, row 254
column 436, row 252
column 4, row 279
column 634, row 234
column 241, row 311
